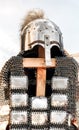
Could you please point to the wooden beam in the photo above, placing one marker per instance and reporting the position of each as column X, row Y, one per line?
column 37, row 63
column 41, row 82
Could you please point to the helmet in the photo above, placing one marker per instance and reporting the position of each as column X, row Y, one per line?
column 37, row 31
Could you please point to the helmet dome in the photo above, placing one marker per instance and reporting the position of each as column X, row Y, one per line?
column 35, row 32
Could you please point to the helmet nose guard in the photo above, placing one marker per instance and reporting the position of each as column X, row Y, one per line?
column 35, row 32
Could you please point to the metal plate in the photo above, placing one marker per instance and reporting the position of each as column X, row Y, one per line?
column 40, row 129
column 19, row 100
column 56, row 128
column 39, row 118
column 18, row 82
column 19, row 117
column 39, row 103
column 58, row 117
column 19, row 129
column 59, row 83
column 60, row 100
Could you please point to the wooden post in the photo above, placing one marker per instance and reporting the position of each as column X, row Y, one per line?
column 41, row 81
column 39, row 63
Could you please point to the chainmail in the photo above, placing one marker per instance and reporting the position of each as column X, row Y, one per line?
column 11, row 75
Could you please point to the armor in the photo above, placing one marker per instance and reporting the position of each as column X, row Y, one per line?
column 34, row 34
column 57, row 107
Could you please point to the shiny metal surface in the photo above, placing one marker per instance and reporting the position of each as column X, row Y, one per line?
column 19, row 100
column 39, row 103
column 17, row 82
column 60, row 100
column 56, row 128
column 59, row 83
column 18, row 117
column 58, row 117
column 39, row 118
column 36, row 30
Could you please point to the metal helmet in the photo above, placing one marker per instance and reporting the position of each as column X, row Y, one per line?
column 37, row 31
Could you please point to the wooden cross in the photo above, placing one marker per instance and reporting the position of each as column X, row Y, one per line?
column 39, row 63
